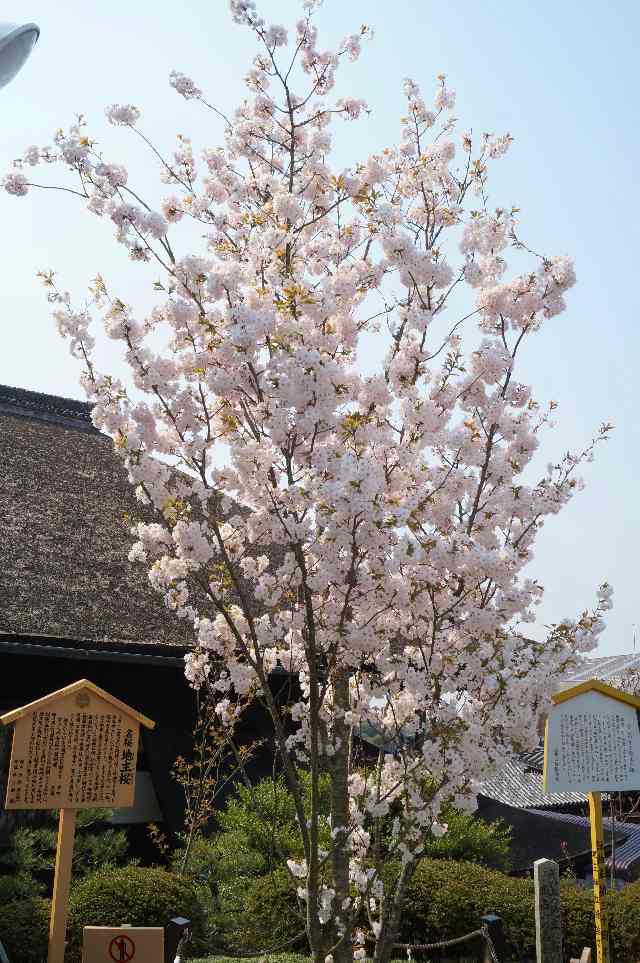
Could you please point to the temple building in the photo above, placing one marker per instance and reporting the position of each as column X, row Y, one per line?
column 73, row 607
column 71, row 604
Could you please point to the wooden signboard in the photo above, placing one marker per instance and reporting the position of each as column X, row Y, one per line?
column 72, row 749
column 592, row 741
column 76, row 748
column 126, row 944
column 592, row 745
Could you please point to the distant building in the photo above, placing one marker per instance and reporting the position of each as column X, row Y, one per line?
column 71, row 604
column 622, row 671
column 556, row 825
column 519, row 783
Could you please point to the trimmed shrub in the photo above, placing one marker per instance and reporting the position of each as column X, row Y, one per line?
column 24, row 929
column 446, row 899
column 624, row 915
column 270, row 958
column 578, row 924
column 135, row 895
column 258, row 914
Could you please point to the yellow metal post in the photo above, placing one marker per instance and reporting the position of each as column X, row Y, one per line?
column 597, row 856
column 61, row 883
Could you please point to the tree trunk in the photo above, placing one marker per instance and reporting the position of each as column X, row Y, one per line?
column 340, row 807
column 391, row 917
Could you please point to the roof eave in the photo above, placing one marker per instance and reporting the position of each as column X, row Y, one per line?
column 61, row 647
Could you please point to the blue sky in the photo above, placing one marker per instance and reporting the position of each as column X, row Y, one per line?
column 561, row 77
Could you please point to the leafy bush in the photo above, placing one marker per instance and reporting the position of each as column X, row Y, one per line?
column 216, row 859
column 17, row 887
column 261, row 913
column 137, row 896
column 29, row 854
column 24, row 929
column 470, row 839
column 256, row 831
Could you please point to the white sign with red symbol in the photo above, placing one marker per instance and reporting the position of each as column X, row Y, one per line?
column 125, row 944
column 122, row 949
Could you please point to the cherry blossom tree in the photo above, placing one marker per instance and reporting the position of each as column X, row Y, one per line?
column 367, row 534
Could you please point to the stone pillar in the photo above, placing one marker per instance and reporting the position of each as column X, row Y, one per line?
column 546, row 877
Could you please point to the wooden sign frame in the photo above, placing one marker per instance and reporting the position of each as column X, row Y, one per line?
column 603, row 951
column 56, row 763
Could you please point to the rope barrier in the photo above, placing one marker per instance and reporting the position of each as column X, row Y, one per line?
column 443, row 944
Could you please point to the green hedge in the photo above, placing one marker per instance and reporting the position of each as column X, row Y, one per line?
column 137, row 896
column 260, row 913
column 624, row 908
column 446, row 899
column 24, row 929
column 269, row 958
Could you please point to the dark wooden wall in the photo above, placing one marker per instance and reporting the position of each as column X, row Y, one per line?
column 158, row 691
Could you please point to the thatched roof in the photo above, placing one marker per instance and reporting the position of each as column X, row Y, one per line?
column 63, row 539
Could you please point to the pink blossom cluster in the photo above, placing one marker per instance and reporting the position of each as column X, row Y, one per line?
column 369, row 535
column 184, row 85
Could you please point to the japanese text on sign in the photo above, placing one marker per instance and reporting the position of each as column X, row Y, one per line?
column 66, row 756
column 593, row 743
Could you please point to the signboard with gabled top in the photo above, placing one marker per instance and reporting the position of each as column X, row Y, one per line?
column 592, row 740
column 592, row 745
column 74, row 749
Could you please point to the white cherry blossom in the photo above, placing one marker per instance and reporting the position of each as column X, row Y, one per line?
column 370, row 535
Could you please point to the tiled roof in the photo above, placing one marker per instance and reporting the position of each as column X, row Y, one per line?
column 519, row 784
column 613, row 669
column 33, row 404
column 534, row 759
column 627, row 855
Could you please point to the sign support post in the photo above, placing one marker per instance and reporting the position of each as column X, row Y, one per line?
column 61, row 883
column 592, row 745
column 597, row 857
column 72, row 749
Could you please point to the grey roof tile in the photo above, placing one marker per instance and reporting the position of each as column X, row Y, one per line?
column 519, row 783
